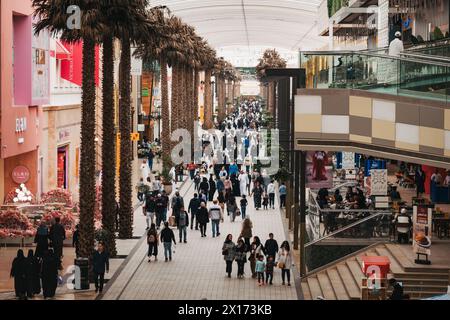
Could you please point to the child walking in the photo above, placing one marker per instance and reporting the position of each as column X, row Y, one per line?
column 269, row 269
column 265, row 200
column 260, row 268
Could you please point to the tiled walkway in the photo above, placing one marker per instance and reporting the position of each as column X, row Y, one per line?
column 198, row 269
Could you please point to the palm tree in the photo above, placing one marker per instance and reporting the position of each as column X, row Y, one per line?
column 53, row 16
column 132, row 24
column 270, row 59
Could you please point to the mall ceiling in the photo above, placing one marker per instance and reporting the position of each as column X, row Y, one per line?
column 287, row 24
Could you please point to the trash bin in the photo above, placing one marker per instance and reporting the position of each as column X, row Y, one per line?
column 382, row 263
column 82, row 277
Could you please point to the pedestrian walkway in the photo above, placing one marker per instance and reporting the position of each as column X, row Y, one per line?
column 198, row 269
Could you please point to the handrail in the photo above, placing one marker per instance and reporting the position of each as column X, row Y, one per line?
column 347, row 227
column 348, row 256
column 383, row 56
column 425, row 56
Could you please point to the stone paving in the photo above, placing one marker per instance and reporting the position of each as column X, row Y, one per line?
column 198, row 269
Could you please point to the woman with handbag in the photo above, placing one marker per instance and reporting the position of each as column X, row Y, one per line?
column 256, row 249
column 285, row 262
column 228, row 253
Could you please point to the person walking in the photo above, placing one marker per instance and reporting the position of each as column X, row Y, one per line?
column 228, row 186
column 260, row 268
column 243, row 183
column 194, row 206
column 220, row 186
column 19, row 273
column 165, row 198
column 257, row 194
column 41, row 240
column 204, row 186
column 145, row 171
column 177, row 204
column 256, row 249
column 231, row 208
column 159, row 210
column 57, row 236
column 285, row 262
column 271, row 247
column 182, row 221
column 244, row 204
column 212, row 188
column 33, row 274
column 270, row 265
column 246, row 232
column 150, row 208
column 191, row 167
column 282, row 190
column 197, row 180
column 216, row 215
column 228, row 253
column 142, row 189
column 100, row 263
column 150, row 158
column 271, row 193
column 153, row 242
column 49, row 274
column 202, row 218
column 167, row 237
column 240, row 254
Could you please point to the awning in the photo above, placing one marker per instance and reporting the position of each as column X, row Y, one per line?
column 61, row 51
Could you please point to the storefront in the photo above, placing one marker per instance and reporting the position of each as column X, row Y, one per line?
column 60, row 151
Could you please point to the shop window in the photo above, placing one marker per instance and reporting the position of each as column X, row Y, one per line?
column 21, row 59
column 62, row 167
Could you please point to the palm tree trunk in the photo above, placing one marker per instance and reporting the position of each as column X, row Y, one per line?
column 126, row 206
column 196, row 84
column 165, row 113
column 221, row 94
column 87, row 162
column 208, row 101
column 108, row 148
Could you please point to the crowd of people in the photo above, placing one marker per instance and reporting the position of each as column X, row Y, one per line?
column 263, row 258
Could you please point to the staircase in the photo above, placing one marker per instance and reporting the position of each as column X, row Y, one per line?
column 342, row 280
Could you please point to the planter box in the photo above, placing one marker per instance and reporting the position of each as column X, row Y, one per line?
column 19, row 242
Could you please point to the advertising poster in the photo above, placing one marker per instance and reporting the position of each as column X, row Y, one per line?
column 40, row 68
column 348, row 160
column 378, row 182
column 318, row 170
column 422, row 219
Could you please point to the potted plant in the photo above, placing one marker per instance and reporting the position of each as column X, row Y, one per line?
column 166, row 180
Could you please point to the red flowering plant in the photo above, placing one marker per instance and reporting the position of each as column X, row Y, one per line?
column 58, row 196
column 14, row 224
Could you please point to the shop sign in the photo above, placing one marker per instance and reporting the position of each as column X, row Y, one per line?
column 20, row 174
column 422, row 222
column 63, row 135
column 21, row 125
column 144, row 92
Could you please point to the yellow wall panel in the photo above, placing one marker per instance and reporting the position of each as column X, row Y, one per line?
column 308, row 123
column 431, row 137
column 360, row 107
column 383, row 129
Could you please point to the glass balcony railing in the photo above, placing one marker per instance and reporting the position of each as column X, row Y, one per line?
column 416, row 76
column 355, row 235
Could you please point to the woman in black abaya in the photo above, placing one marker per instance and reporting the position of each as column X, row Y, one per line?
column 49, row 274
column 33, row 274
column 19, row 273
